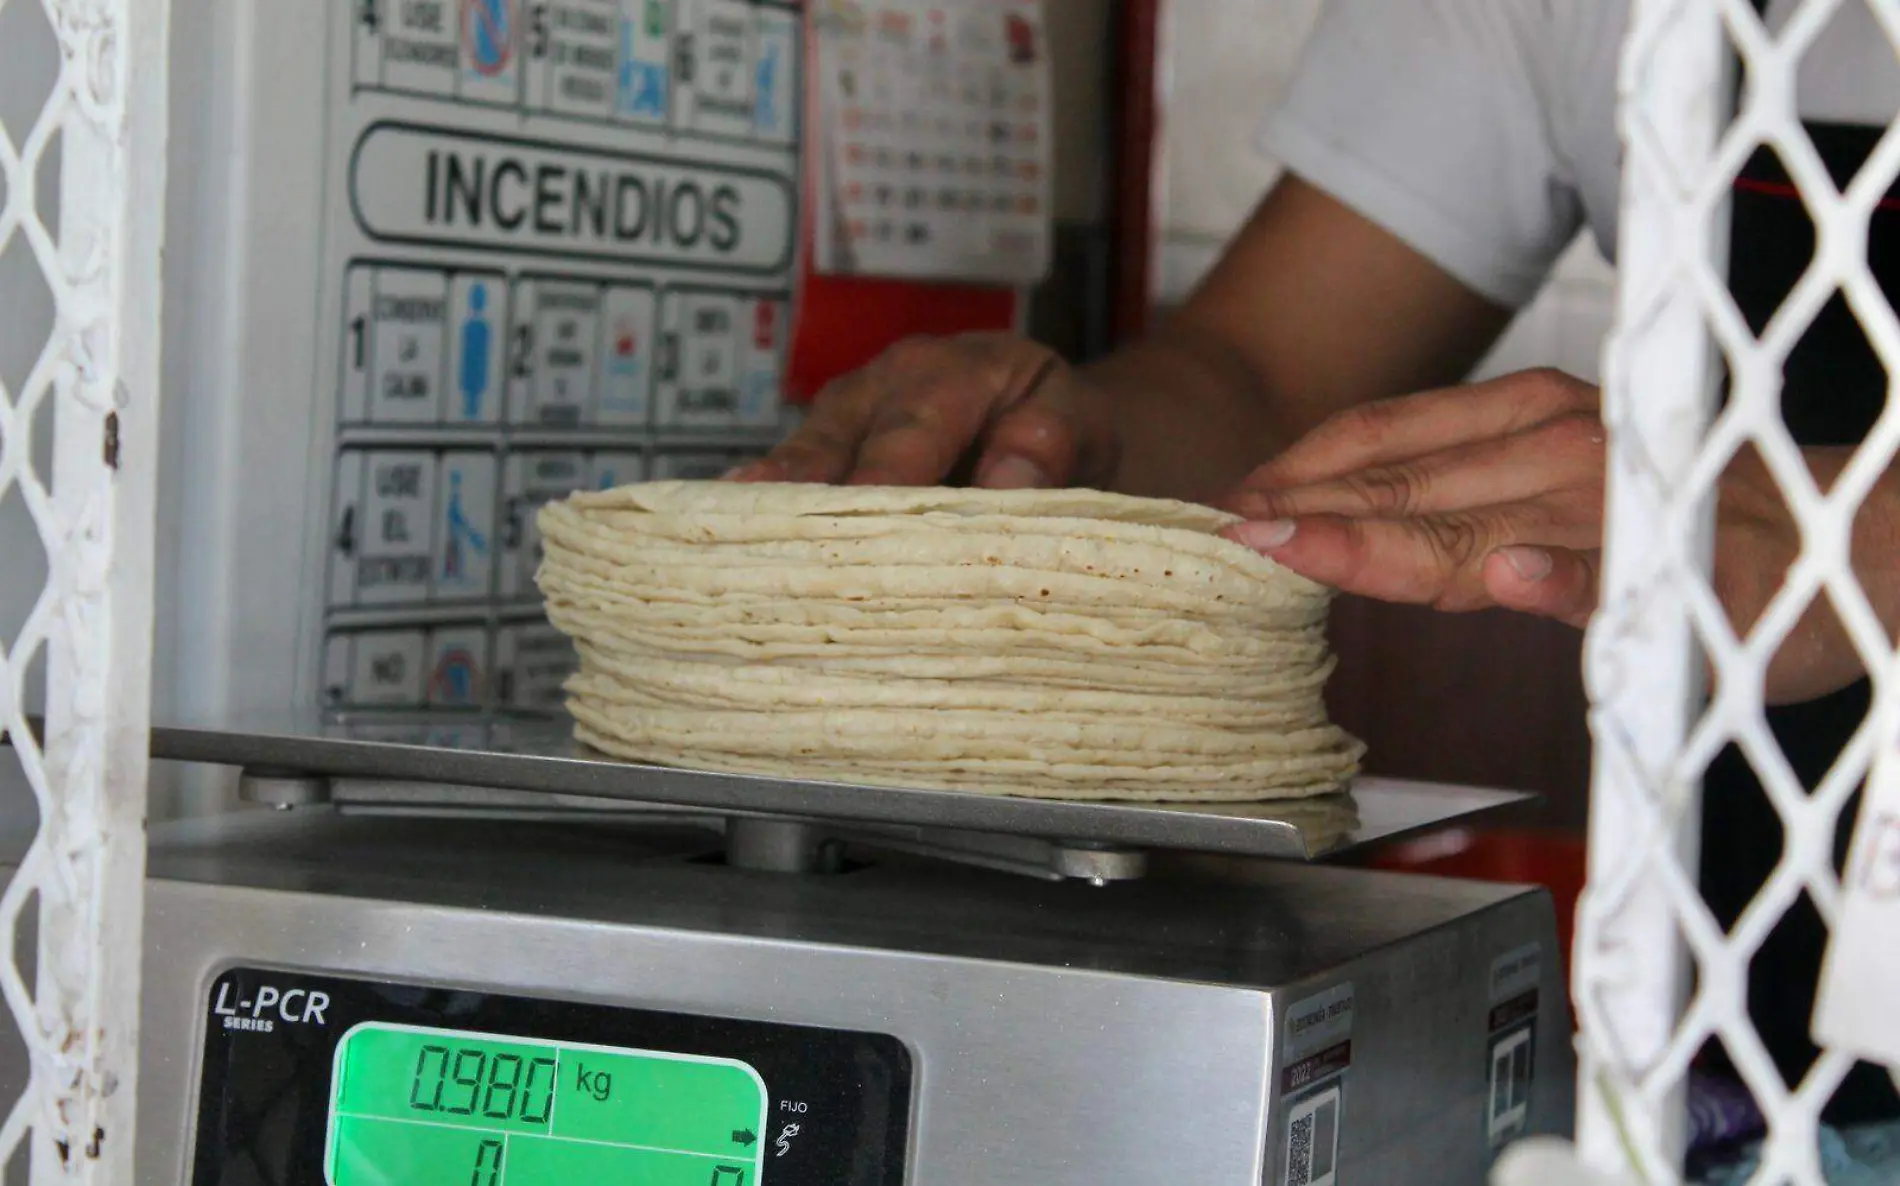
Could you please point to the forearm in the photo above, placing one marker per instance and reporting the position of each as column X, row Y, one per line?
column 1756, row 547
column 1192, row 415
column 1874, row 547
column 1876, row 551
column 1311, row 310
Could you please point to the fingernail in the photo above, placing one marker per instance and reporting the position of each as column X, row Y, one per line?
column 1531, row 564
column 1265, row 536
column 1013, row 473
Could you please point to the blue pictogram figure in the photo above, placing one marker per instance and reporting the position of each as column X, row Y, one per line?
column 476, row 336
column 642, row 83
column 755, row 393
column 644, row 86
column 455, row 674
column 765, row 86
column 462, row 534
column 487, row 29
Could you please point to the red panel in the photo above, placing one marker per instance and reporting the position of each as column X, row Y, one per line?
column 844, row 322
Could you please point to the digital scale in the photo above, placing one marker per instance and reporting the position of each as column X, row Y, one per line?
column 476, row 955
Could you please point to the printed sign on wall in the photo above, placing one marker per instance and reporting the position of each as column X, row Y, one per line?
column 559, row 249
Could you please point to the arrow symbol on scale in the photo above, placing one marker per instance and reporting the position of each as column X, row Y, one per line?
column 744, row 1136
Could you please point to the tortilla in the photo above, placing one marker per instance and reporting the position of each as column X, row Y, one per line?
column 1066, row 644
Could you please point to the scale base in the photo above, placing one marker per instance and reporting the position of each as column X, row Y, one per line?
column 1183, row 1027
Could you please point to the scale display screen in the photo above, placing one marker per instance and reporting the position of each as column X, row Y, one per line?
column 313, row 1078
column 439, row 1107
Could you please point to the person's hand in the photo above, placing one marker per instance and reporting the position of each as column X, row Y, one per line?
column 1489, row 494
column 998, row 410
column 1492, row 495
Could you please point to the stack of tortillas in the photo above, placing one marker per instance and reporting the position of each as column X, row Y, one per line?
column 1063, row 644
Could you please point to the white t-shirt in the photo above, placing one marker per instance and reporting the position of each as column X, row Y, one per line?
column 1483, row 132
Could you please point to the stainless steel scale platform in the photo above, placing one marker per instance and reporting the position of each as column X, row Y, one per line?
column 1173, row 994
column 534, row 769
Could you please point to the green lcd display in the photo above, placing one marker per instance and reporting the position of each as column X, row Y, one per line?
column 437, row 1107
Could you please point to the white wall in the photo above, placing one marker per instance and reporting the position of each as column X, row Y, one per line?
column 1225, row 63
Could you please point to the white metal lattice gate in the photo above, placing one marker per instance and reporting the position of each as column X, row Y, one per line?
column 1672, row 682
column 82, row 178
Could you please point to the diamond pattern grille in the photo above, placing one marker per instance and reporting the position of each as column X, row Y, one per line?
column 1694, row 394
column 81, row 181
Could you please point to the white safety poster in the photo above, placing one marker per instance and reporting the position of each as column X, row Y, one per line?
column 932, row 140
column 1860, row 980
column 558, row 255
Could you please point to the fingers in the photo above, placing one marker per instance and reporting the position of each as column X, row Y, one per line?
column 1054, row 437
column 1557, row 583
column 910, row 417
column 1379, row 434
column 825, row 446
column 1437, row 560
column 936, row 399
column 916, row 436
column 890, row 417
column 1459, row 499
column 1560, row 455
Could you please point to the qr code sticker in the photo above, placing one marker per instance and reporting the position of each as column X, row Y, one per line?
column 1510, row 1086
column 1312, row 1140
